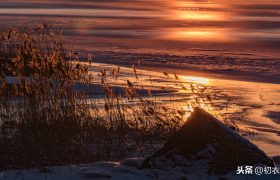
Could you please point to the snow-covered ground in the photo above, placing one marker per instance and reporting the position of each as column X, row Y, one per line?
column 257, row 107
column 261, row 105
column 125, row 170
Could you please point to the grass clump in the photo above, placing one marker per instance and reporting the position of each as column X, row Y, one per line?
column 46, row 118
column 50, row 113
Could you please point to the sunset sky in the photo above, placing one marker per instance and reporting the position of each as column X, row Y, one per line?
column 203, row 24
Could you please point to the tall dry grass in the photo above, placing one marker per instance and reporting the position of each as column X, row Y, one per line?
column 45, row 119
column 48, row 113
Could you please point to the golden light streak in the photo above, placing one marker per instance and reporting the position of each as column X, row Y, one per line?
column 194, row 79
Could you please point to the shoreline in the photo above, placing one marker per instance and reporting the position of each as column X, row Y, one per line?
column 152, row 62
column 267, row 79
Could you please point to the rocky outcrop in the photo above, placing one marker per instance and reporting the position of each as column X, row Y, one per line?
column 205, row 144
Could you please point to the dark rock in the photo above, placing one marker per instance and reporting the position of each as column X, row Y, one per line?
column 204, row 139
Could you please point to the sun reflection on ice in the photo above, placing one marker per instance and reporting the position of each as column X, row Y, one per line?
column 198, row 80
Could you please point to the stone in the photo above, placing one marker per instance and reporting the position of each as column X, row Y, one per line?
column 204, row 139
